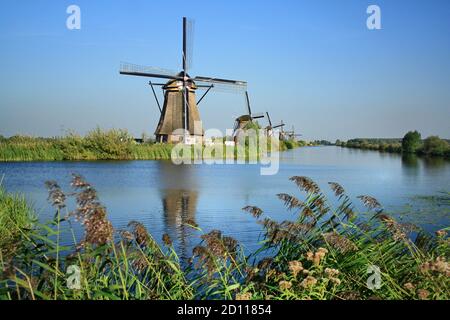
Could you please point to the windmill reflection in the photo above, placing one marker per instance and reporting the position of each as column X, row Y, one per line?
column 179, row 196
column 179, row 207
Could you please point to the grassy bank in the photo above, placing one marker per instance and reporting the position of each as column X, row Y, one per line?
column 410, row 144
column 96, row 145
column 325, row 252
column 383, row 145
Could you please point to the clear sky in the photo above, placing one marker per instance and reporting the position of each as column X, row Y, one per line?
column 313, row 64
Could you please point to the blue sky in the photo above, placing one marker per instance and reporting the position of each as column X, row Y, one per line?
column 313, row 64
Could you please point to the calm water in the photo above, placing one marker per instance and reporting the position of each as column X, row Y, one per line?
column 163, row 196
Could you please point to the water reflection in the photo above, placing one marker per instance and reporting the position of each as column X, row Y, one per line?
column 411, row 165
column 410, row 160
column 179, row 207
column 179, row 196
column 434, row 163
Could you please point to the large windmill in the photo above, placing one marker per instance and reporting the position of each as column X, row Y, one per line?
column 179, row 113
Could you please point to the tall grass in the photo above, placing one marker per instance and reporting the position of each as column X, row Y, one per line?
column 324, row 253
column 15, row 217
column 96, row 145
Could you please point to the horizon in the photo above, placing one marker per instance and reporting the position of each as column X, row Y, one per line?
column 329, row 76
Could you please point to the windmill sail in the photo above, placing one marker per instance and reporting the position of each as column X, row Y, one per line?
column 145, row 71
column 241, row 85
column 268, row 118
column 188, row 52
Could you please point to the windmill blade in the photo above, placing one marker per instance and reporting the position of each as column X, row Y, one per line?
column 268, row 118
column 188, row 43
column 247, row 100
column 144, row 71
column 219, row 87
column 279, row 126
column 257, row 115
column 225, row 83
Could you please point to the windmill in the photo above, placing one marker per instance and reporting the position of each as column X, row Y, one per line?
column 291, row 135
column 179, row 113
column 241, row 123
column 282, row 133
column 269, row 129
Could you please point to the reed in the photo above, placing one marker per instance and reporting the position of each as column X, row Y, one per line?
column 324, row 253
column 15, row 216
column 96, row 145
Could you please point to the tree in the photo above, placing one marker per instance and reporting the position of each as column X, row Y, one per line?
column 435, row 146
column 411, row 142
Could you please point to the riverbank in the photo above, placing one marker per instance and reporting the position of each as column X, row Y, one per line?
column 431, row 147
column 96, row 145
column 327, row 252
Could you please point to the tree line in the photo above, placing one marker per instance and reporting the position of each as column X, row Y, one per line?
column 411, row 143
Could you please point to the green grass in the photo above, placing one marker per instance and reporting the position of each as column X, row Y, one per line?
column 15, row 217
column 96, row 145
column 323, row 253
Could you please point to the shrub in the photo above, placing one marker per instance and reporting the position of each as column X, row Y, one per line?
column 435, row 146
column 289, row 144
column 411, row 142
column 72, row 146
column 110, row 144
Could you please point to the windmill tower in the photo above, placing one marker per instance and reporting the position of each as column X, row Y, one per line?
column 179, row 116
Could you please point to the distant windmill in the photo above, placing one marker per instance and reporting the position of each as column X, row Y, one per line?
column 269, row 129
column 180, row 107
column 242, row 122
column 281, row 133
column 292, row 135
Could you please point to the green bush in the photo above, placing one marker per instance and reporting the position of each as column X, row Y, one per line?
column 289, row 144
column 435, row 146
column 73, row 147
column 110, row 144
column 411, row 142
